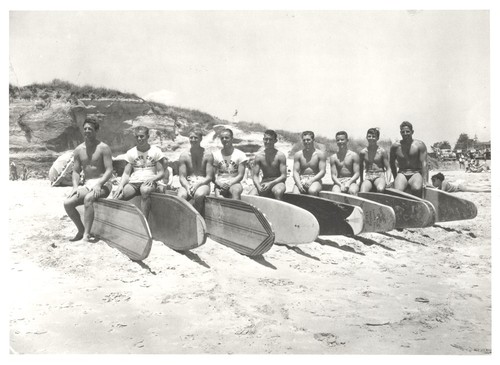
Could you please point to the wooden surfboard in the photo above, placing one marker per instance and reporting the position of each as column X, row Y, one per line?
column 122, row 225
column 376, row 217
column 333, row 218
column 450, row 207
column 292, row 225
column 402, row 194
column 239, row 225
column 409, row 213
column 176, row 223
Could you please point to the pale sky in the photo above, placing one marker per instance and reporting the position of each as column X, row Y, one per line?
column 295, row 70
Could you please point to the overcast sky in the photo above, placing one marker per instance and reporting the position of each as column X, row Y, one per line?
column 320, row 70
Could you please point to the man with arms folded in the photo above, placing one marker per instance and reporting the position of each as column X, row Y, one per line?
column 143, row 170
column 94, row 157
column 230, row 165
column 273, row 165
column 411, row 158
column 309, row 167
column 195, row 171
column 344, row 166
column 374, row 164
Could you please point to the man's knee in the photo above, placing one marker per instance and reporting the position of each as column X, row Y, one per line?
column 89, row 199
column 146, row 191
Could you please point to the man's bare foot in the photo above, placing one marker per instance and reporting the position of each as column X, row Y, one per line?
column 90, row 238
column 78, row 237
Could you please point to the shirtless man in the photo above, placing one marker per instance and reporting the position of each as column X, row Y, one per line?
column 195, row 171
column 439, row 181
column 143, row 170
column 230, row 164
column 411, row 157
column 273, row 165
column 344, row 167
column 374, row 164
column 94, row 157
column 309, row 167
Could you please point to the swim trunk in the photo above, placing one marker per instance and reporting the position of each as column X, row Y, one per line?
column 306, row 177
column 408, row 173
column 193, row 179
column 137, row 186
column 91, row 183
column 372, row 176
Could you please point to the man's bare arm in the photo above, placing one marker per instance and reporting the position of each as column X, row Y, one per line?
column 321, row 168
column 355, row 168
column 423, row 162
column 392, row 159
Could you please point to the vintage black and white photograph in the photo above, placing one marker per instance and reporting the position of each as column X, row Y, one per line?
column 249, row 181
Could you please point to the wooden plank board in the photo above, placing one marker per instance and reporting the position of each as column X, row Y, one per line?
column 376, row 217
column 238, row 225
column 122, row 225
column 176, row 223
column 450, row 207
column 291, row 224
column 333, row 218
column 409, row 213
column 402, row 194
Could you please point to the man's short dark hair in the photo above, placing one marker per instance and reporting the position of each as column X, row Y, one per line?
column 308, row 133
column 438, row 176
column 271, row 133
column 92, row 121
column 406, row 124
column 228, row 131
column 197, row 131
column 141, row 128
column 342, row 133
column 374, row 131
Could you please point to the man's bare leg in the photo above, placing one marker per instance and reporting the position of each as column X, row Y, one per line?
column 416, row 184
column 315, row 188
column 235, row 191
column 198, row 200
column 70, row 205
column 400, row 182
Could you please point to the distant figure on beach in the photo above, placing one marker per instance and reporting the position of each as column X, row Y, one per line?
column 13, row 171
column 94, row 157
column 195, row 171
column 273, row 165
column 439, row 181
column 411, row 158
column 344, row 167
column 143, row 170
column 461, row 161
column 309, row 167
column 374, row 164
column 230, row 164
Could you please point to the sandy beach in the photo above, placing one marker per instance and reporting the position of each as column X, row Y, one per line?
column 414, row 291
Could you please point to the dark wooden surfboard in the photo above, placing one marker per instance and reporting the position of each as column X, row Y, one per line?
column 291, row 224
column 402, row 194
column 238, row 225
column 450, row 207
column 176, row 223
column 409, row 213
column 333, row 218
column 376, row 217
column 122, row 225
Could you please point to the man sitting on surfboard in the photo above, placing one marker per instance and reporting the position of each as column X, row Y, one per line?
column 230, row 164
column 273, row 165
column 344, row 167
column 143, row 170
column 195, row 171
column 94, row 157
column 309, row 167
column 411, row 157
column 374, row 164
column 439, row 181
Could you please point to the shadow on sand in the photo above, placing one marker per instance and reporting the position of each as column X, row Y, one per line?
column 336, row 245
column 401, row 238
column 261, row 260
column 194, row 257
column 300, row 252
column 369, row 242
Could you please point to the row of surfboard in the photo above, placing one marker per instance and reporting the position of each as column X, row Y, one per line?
column 251, row 226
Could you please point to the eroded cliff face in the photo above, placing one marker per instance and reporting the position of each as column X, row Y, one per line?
column 40, row 130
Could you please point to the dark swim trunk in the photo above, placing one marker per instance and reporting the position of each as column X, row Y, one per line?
column 409, row 173
column 137, row 186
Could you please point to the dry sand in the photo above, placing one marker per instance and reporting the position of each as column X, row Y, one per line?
column 416, row 291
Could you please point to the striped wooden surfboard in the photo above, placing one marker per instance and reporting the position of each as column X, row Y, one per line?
column 409, row 213
column 333, row 218
column 122, row 225
column 376, row 217
column 238, row 225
